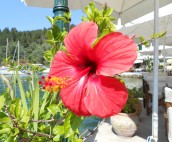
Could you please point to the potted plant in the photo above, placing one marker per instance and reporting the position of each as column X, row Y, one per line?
column 137, row 93
column 126, row 122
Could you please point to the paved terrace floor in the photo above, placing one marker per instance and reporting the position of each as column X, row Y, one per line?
column 105, row 133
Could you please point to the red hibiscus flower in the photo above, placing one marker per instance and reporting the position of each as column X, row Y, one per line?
column 92, row 90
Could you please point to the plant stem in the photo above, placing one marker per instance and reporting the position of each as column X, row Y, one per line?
column 15, row 124
column 42, row 121
column 35, row 133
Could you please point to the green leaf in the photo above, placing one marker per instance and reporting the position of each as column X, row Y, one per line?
column 51, row 42
column 146, row 43
column 50, row 19
column 162, row 34
column 155, row 35
column 5, row 120
column 79, row 140
column 63, row 48
column 67, row 15
column 22, row 93
column 56, row 138
column 85, row 19
column 58, row 130
column 53, row 109
column 44, row 102
column 39, row 139
column 59, row 18
column 49, row 35
column 5, row 131
column 48, row 55
column 35, row 101
column 14, row 131
column 11, row 138
column 25, row 119
column 46, row 129
column 56, row 32
column 17, row 110
column 75, row 122
column 67, row 126
column 142, row 38
column 3, row 114
column 108, row 12
column 2, row 99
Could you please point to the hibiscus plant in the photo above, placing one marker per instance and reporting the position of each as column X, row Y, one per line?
column 81, row 82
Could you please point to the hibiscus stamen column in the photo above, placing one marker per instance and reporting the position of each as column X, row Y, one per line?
column 61, row 7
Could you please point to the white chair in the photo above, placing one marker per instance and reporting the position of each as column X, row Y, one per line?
column 168, row 120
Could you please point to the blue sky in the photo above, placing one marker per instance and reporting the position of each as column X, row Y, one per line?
column 13, row 13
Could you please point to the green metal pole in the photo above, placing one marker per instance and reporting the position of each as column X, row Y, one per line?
column 61, row 7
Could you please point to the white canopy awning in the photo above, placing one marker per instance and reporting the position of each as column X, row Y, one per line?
column 146, row 29
column 137, row 61
column 167, row 52
column 169, row 61
column 127, row 10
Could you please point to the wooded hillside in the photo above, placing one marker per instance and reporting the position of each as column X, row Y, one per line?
column 32, row 45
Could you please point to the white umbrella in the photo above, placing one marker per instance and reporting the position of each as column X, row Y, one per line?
column 146, row 29
column 127, row 10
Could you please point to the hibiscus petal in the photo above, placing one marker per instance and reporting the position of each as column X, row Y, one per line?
column 115, row 53
column 105, row 96
column 64, row 65
column 80, row 38
column 73, row 95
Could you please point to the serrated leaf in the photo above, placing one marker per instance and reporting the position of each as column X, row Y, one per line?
column 11, row 139
column 14, row 131
column 53, row 109
column 38, row 139
column 46, row 129
column 58, row 130
column 56, row 138
column 25, row 119
column 5, row 131
column 22, row 112
column 5, row 120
